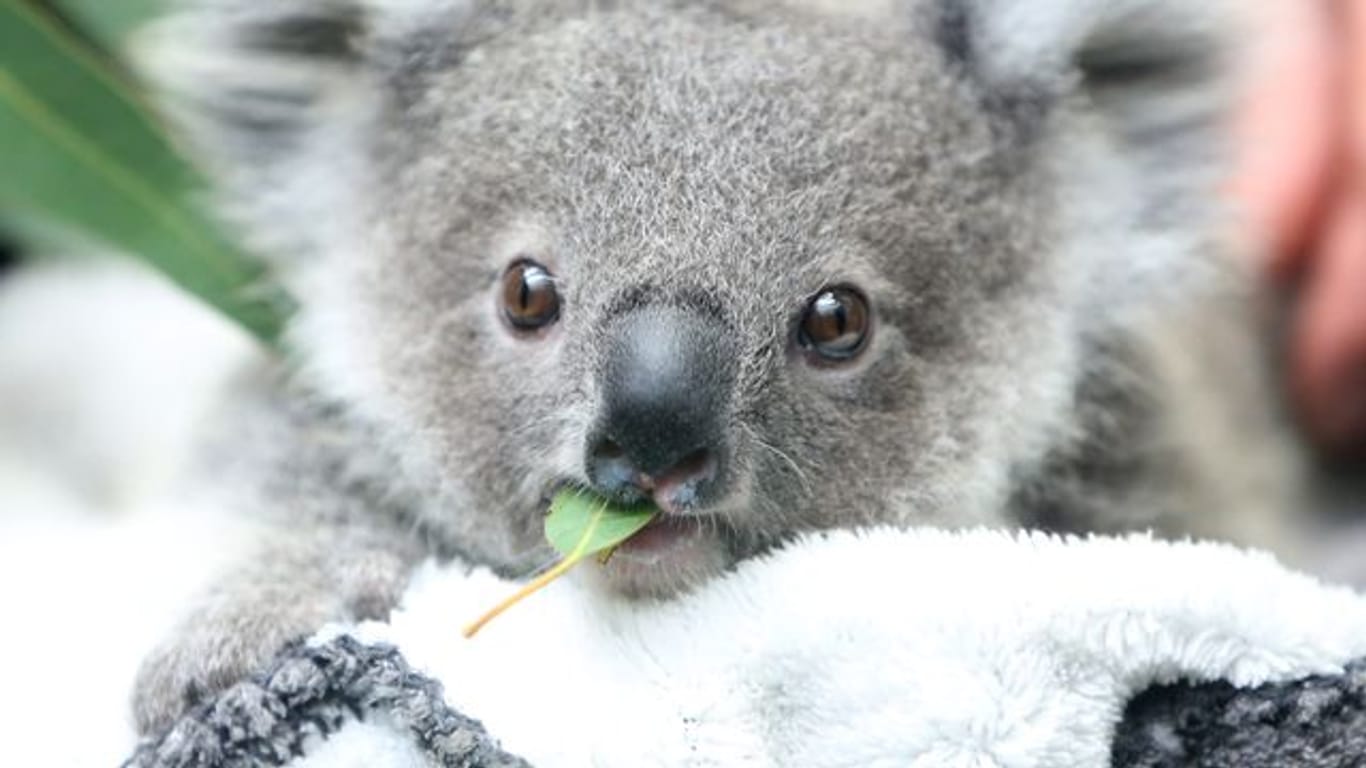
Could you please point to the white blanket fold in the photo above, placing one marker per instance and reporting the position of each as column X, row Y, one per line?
column 863, row 649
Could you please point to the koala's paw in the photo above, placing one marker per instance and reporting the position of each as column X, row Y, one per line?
column 241, row 625
column 206, row 656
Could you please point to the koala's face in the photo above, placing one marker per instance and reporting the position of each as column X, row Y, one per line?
column 778, row 271
column 744, row 270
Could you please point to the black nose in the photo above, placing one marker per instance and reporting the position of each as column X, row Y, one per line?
column 666, row 390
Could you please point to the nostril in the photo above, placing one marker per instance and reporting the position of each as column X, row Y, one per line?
column 680, row 487
column 612, row 473
column 695, row 466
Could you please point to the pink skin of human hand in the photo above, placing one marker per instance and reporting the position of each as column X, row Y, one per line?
column 1302, row 183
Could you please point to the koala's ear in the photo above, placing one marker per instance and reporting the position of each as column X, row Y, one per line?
column 250, row 79
column 1154, row 70
column 1141, row 94
column 258, row 90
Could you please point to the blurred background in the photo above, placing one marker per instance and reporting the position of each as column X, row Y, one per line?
column 91, row 183
column 104, row 369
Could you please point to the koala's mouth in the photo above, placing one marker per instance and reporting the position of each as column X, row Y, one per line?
column 670, row 556
column 674, row 553
column 665, row 533
column 669, row 530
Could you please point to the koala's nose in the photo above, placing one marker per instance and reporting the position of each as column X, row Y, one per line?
column 666, row 387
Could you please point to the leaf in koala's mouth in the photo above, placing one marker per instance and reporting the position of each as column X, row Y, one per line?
column 580, row 525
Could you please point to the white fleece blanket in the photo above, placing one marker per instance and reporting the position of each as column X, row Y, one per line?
column 875, row 648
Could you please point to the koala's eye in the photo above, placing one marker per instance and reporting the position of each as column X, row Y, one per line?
column 529, row 299
column 835, row 325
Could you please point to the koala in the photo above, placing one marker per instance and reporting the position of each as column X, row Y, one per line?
column 777, row 266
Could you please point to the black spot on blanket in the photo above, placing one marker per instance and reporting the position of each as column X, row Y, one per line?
column 9, row 255
column 1318, row 722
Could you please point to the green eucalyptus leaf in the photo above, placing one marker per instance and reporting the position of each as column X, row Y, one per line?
column 580, row 524
column 81, row 149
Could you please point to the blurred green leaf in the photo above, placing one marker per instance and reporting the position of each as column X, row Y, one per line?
column 42, row 238
column 110, row 21
column 79, row 147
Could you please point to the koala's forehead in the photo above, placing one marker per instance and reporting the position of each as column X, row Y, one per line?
column 667, row 141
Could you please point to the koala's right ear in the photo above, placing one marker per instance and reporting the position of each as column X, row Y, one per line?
column 252, row 87
column 270, row 96
column 250, row 79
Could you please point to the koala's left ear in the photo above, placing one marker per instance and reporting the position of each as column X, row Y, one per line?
column 1143, row 91
column 1155, row 71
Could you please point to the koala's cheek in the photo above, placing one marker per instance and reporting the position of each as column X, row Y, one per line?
column 823, row 460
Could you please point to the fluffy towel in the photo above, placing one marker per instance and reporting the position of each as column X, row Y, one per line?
column 855, row 649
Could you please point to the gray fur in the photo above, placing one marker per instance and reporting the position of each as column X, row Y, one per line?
column 1025, row 191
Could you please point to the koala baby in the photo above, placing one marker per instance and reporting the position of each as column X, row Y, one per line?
column 777, row 265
